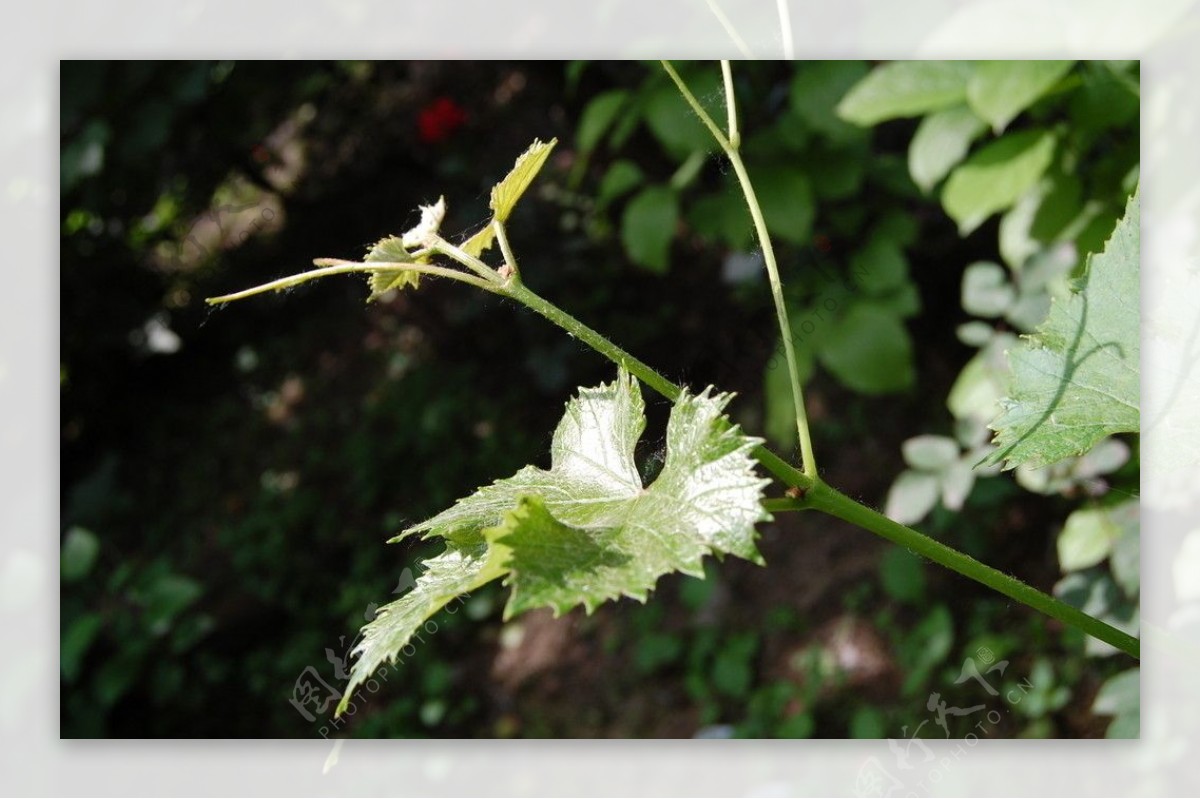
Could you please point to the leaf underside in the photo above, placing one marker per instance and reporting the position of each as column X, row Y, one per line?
column 587, row 530
column 1076, row 379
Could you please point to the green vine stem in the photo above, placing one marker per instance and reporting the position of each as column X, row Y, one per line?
column 729, row 145
column 828, row 500
column 335, row 266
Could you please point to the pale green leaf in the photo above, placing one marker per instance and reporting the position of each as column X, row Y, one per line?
column 986, row 290
column 905, row 89
column 1126, row 557
column 1121, row 697
column 1086, row 539
column 957, row 482
column 996, row 176
column 648, row 227
column 1076, row 380
column 507, row 192
column 930, row 453
column 912, row 496
column 999, row 90
column 942, row 140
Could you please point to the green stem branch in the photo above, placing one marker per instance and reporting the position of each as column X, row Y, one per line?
column 807, row 458
column 828, row 500
column 332, row 266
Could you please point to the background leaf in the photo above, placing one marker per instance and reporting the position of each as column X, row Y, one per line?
column 941, row 142
column 869, row 350
column 648, row 227
column 994, row 178
column 999, row 90
column 1076, row 380
column 905, row 89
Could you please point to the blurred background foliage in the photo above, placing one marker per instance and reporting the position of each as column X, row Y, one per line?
column 229, row 477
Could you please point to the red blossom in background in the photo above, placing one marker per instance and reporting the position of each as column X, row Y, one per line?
column 439, row 119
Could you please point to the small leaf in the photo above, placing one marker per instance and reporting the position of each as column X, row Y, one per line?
column 78, row 555
column 786, row 198
column 1076, row 380
column 868, row 350
column 957, row 481
column 879, row 266
column 648, row 227
column 930, row 453
column 1086, row 539
column 623, row 176
column 999, row 90
column 942, row 141
column 905, row 89
column 1126, row 557
column 986, row 290
column 902, row 574
column 507, row 192
column 722, row 217
column 994, row 178
column 911, row 497
column 673, row 122
column 1120, row 694
column 77, row 639
column 816, row 90
column 597, row 118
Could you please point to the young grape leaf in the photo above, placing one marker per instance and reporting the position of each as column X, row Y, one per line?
column 586, row 530
column 507, row 192
column 390, row 250
column 396, row 250
column 1076, row 379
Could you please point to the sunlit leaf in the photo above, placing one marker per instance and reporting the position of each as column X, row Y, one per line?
column 587, row 530
column 507, row 192
column 390, row 250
